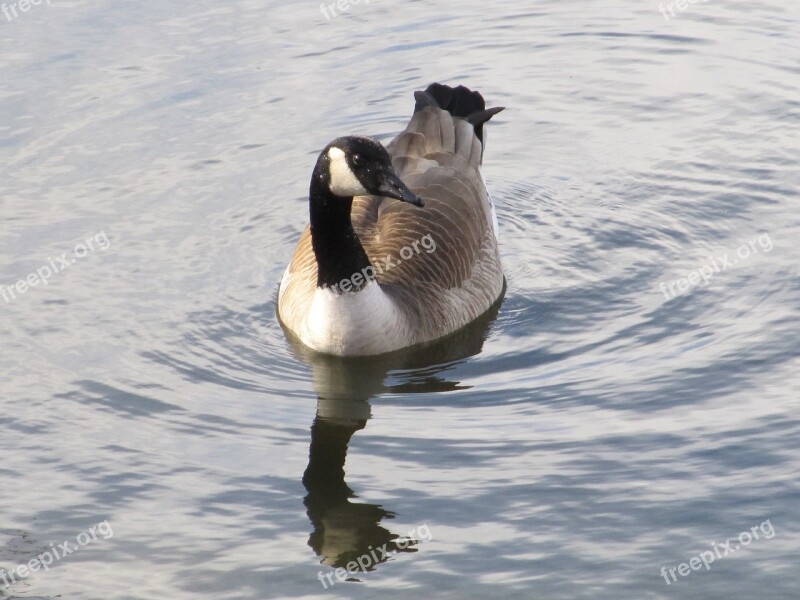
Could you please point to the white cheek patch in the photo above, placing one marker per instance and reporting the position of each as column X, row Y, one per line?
column 343, row 180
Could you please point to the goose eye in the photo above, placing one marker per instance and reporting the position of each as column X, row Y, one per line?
column 357, row 160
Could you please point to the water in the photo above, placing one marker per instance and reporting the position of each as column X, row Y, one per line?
column 592, row 432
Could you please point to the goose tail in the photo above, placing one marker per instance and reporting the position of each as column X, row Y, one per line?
column 460, row 102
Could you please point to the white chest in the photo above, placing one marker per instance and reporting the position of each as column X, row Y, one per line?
column 352, row 324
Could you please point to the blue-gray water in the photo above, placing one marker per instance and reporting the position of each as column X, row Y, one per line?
column 594, row 432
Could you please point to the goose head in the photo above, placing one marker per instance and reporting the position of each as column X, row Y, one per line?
column 359, row 166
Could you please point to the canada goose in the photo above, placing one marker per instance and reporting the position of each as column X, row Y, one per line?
column 370, row 275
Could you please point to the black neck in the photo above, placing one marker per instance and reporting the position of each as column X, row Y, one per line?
column 338, row 250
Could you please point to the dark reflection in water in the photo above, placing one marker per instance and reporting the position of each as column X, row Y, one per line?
column 344, row 531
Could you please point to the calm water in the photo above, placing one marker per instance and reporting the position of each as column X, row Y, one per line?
column 599, row 427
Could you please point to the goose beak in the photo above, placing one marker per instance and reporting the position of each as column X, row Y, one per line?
column 393, row 187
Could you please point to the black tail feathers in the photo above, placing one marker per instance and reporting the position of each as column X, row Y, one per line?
column 460, row 102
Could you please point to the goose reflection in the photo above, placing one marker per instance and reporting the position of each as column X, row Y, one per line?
column 344, row 530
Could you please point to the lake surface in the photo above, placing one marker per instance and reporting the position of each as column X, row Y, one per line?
column 632, row 404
